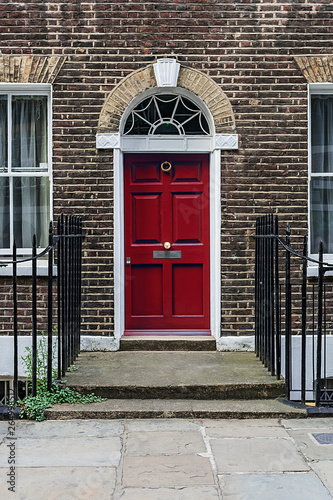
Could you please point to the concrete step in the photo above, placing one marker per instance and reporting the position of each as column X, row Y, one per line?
column 168, row 343
column 174, row 375
column 206, row 391
column 189, row 408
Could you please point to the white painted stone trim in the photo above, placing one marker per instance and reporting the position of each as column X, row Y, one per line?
column 158, row 143
column 26, row 269
column 226, row 141
column 233, row 344
column 107, row 141
column 94, row 343
column 166, row 72
column 7, row 350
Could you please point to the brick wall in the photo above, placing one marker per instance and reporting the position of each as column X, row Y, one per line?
column 24, row 305
column 247, row 47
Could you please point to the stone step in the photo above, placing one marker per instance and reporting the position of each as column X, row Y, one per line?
column 173, row 375
column 168, row 343
column 188, row 408
column 206, row 391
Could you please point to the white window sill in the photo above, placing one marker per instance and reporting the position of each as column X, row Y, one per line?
column 26, row 270
column 312, row 271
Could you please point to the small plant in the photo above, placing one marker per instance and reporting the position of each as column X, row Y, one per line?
column 41, row 359
column 33, row 407
column 73, row 368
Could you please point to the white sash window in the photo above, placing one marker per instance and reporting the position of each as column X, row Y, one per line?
column 25, row 166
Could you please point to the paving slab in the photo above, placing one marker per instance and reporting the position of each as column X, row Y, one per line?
column 310, row 423
column 257, row 455
column 162, row 424
column 197, row 493
column 60, row 483
column 164, row 443
column 166, row 471
column 298, row 486
column 240, row 429
column 52, row 429
column 324, row 468
column 167, row 459
column 309, row 446
column 3, row 430
column 64, row 452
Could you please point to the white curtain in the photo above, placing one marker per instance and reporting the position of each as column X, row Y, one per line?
column 321, row 192
column 29, row 151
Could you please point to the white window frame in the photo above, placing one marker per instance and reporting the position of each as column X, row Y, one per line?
column 27, row 89
column 319, row 89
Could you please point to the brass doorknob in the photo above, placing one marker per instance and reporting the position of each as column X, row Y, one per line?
column 167, row 245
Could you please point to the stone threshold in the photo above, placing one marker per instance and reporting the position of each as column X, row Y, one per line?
column 168, row 343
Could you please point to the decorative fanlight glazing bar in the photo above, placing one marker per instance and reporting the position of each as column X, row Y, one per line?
column 166, row 114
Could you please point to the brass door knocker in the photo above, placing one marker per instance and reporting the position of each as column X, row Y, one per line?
column 166, row 168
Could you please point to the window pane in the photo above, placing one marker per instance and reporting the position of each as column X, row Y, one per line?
column 3, row 134
column 31, row 196
column 167, row 129
column 29, row 132
column 170, row 110
column 321, row 203
column 322, row 133
column 4, row 213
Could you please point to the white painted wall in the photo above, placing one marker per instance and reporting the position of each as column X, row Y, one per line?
column 311, row 353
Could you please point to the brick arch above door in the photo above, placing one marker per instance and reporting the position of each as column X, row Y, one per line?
column 190, row 79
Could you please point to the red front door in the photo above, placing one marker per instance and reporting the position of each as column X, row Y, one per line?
column 167, row 243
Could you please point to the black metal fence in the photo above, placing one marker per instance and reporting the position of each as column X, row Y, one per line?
column 63, row 307
column 293, row 315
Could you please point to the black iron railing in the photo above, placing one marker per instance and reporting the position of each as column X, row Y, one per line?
column 63, row 308
column 293, row 315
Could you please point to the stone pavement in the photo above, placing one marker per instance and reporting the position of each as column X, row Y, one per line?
column 168, row 459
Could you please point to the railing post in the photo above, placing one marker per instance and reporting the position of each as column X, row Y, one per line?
column 261, row 290
column 321, row 273
column 34, row 317
column 288, row 318
column 50, row 312
column 77, row 289
column 256, row 292
column 80, row 281
column 15, row 339
column 59, row 294
column 277, row 300
column 70, row 291
column 271, row 297
column 266, row 289
column 304, row 299
column 65, row 297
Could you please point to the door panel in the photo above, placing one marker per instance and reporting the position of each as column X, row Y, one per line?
column 188, row 297
column 186, row 218
column 146, row 207
column 167, row 289
column 147, row 290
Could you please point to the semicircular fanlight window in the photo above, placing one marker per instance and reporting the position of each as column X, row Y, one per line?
column 166, row 114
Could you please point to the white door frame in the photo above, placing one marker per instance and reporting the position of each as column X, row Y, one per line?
column 215, row 242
